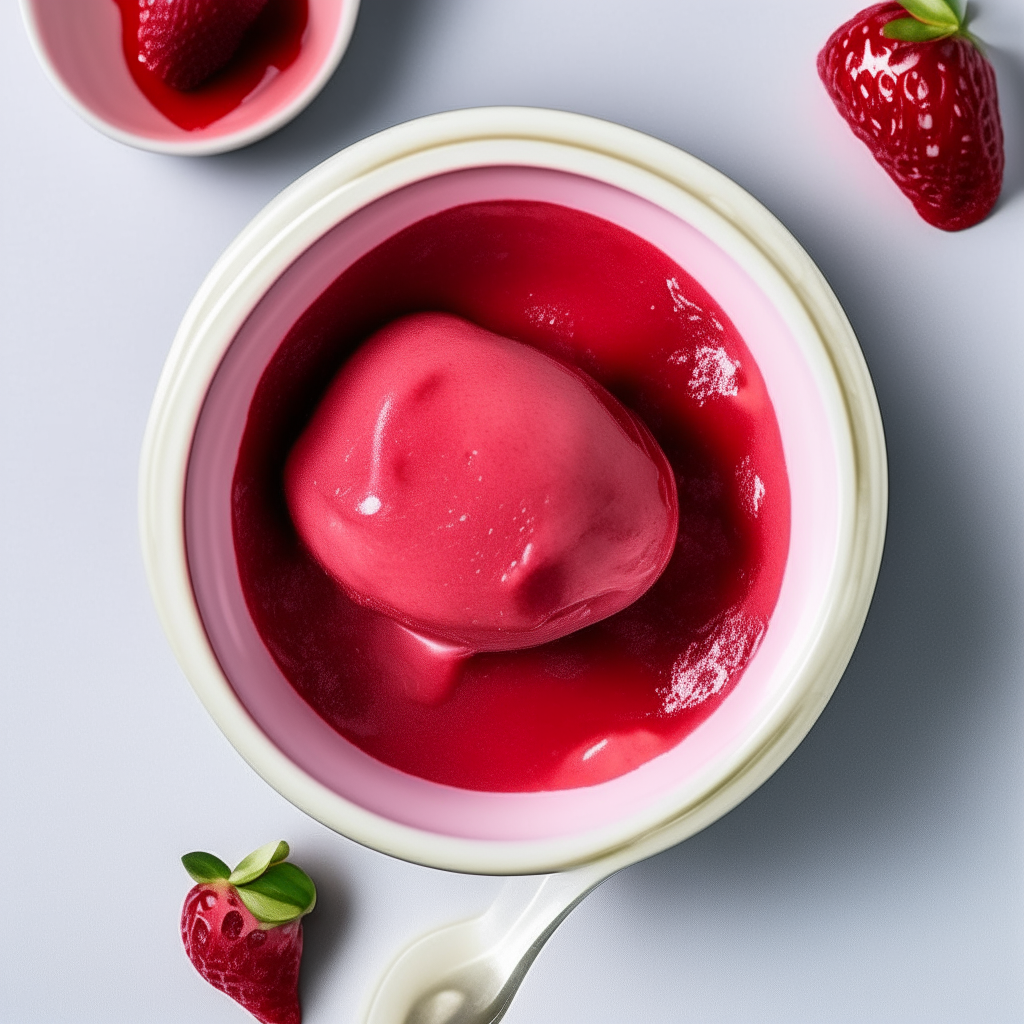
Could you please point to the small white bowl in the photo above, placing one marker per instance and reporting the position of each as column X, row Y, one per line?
column 815, row 375
column 79, row 47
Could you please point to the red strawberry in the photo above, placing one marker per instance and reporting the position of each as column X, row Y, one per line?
column 242, row 929
column 186, row 41
column 920, row 94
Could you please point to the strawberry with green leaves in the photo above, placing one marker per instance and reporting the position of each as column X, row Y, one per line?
column 914, row 86
column 242, row 929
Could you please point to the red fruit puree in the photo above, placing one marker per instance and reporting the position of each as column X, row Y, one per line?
column 270, row 45
column 601, row 305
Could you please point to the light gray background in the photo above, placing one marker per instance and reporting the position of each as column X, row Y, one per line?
column 877, row 877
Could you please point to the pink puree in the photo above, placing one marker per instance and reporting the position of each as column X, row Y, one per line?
column 575, row 709
column 479, row 491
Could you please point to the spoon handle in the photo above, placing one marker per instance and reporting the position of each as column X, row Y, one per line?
column 467, row 973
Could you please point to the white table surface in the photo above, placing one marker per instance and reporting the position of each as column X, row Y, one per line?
column 879, row 876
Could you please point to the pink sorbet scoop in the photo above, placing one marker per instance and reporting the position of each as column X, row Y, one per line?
column 478, row 491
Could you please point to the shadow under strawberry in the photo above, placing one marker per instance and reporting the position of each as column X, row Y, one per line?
column 325, row 930
column 1009, row 68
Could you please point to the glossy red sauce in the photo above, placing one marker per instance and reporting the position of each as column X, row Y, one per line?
column 597, row 703
column 271, row 44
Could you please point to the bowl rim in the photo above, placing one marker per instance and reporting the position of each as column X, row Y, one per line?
column 211, row 145
column 284, row 229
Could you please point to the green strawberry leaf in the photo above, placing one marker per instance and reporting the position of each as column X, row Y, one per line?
column 933, row 12
column 288, row 883
column 910, row 30
column 268, row 910
column 257, row 862
column 281, row 894
column 205, row 868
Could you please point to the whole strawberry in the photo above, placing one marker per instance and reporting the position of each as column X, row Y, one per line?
column 920, row 94
column 186, row 41
column 242, row 929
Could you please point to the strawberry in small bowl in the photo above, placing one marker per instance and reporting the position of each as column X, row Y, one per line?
column 189, row 77
column 186, row 42
column 915, row 87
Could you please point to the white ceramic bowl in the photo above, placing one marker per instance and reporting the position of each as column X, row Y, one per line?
column 815, row 375
column 79, row 47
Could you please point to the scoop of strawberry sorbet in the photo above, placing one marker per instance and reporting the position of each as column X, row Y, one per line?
column 477, row 491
